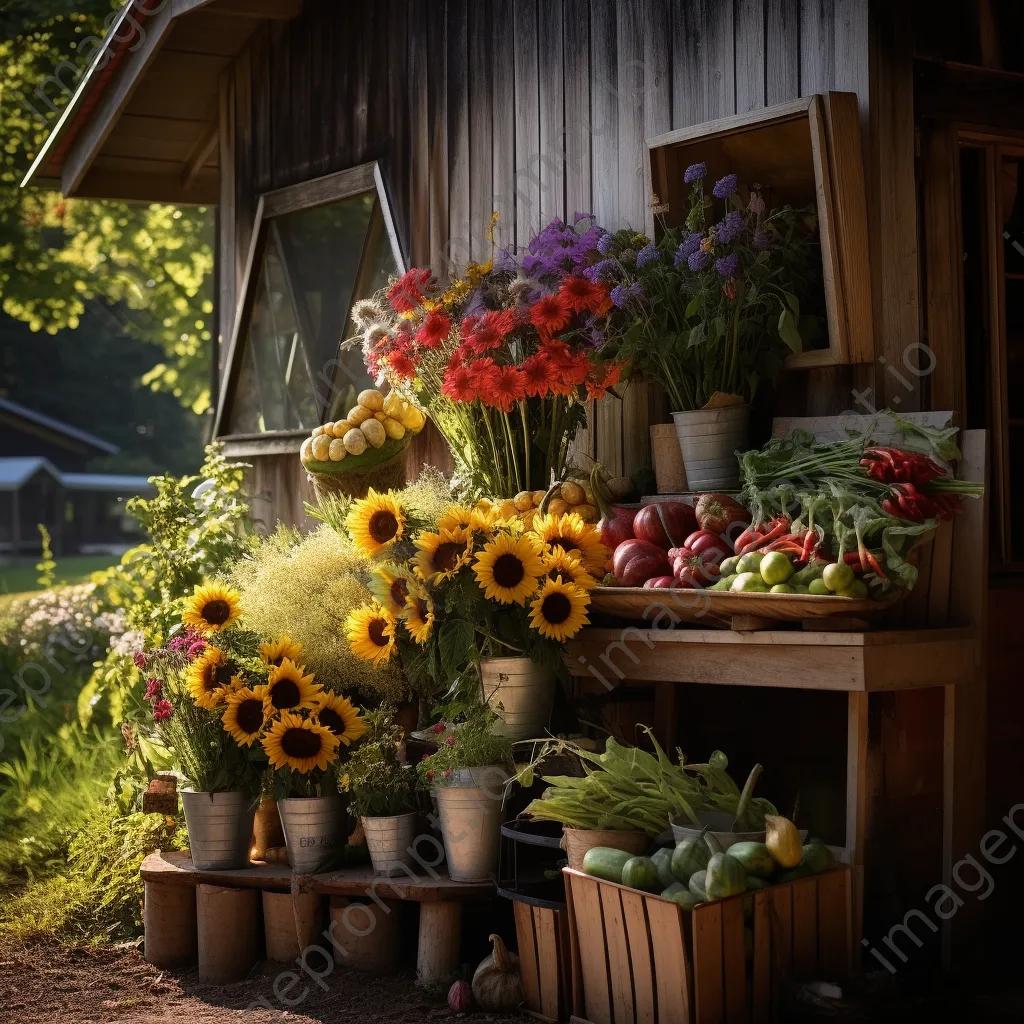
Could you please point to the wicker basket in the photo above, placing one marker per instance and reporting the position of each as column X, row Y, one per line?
column 355, row 484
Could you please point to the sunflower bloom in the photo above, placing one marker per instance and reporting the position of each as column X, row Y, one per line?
column 211, row 608
column 509, row 568
column 376, row 521
column 393, row 587
column 288, row 689
column 273, row 654
column 371, row 634
column 559, row 564
column 559, row 610
column 439, row 556
column 341, row 716
column 211, row 677
column 419, row 619
column 300, row 744
column 570, row 533
column 245, row 714
column 455, row 516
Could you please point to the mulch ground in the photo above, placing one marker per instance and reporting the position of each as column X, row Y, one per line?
column 46, row 982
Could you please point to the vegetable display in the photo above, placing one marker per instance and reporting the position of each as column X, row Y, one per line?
column 498, row 981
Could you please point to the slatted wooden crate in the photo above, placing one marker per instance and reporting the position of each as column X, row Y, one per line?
column 639, row 959
column 546, row 960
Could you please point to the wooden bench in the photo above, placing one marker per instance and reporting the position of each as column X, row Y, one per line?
column 174, row 914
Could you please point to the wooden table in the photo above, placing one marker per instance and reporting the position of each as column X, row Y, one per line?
column 439, row 897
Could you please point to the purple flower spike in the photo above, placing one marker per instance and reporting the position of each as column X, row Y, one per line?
column 761, row 241
column 728, row 265
column 698, row 260
column 729, row 228
column 604, row 243
column 647, row 255
column 694, row 173
column 725, row 187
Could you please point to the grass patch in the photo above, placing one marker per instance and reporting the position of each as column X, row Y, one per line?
column 23, row 577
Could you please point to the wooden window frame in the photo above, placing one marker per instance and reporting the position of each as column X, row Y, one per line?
column 306, row 195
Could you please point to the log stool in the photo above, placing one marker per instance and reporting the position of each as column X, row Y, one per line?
column 229, row 932
column 440, row 934
column 291, row 923
column 169, row 919
column 364, row 934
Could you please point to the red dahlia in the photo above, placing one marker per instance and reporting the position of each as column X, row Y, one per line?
column 584, row 295
column 508, row 388
column 483, row 375
column 402, row 366
column 550, row 314
column 458, row 384
column 434, row 330
column 537, row 374
column 602, row 377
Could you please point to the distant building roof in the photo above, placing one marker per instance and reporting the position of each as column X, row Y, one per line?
column 17, row 470
column 38, row 418
column 118, row 482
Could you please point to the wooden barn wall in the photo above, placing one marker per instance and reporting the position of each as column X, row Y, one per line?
column 531, row 108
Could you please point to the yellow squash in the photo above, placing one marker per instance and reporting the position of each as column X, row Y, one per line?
column 783, row 841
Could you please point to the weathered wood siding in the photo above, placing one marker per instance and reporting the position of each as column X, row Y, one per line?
column 533, row 108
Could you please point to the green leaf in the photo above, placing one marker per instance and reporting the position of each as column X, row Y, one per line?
column 794, row 303
column 693, row 307
column 788, row 332
column 455, row 640
column 697, row 336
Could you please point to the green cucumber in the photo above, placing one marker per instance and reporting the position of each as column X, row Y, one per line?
column 817, row 857
column 605, row 862
column 641, row 873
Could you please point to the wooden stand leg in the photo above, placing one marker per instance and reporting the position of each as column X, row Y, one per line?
column 440, row 932
column 856, row 807
column 169, row 919
column 229, row 932
column 365, row 935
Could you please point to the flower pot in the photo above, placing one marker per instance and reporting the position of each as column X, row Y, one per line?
column 576, row 842
column 719, row 825
column 390, row 841
column 525, row 692
column 219, row 829
column 469, row 805
column 314, row 826
column 709, row 440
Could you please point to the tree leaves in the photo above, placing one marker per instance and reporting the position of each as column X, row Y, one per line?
column 788, row 332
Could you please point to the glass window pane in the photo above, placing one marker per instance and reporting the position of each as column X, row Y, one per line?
column 317, row 262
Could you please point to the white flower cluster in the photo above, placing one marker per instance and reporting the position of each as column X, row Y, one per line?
column 62, row 620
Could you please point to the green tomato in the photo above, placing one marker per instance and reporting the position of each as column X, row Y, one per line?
column 817, row 587
column 749, row 582
column 856, row 589
column 725, row 583
column 750, row 562
column 799, row 588
column 837, row 575
column 775, row 567
column 782, row 588
column 728, row 567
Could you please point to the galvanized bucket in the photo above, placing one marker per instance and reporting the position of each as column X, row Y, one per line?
column 525, row 692
column 314, row 827
column 390, row 841
column 720, row 825
column 219, row 829
column 709, row 440
column 469, row 806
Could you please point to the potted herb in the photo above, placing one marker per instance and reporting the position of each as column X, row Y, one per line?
column 382, row 792
column 712, row 309
column 467, row 776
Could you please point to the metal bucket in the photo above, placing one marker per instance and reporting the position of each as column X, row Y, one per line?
column 314, row 827
column 470, row 808
column 390, row 841
column 709, row 440
column 719, row 825
column 525, row 692
column 219, row 829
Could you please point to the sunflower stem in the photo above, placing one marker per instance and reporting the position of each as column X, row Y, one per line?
column 526, row 441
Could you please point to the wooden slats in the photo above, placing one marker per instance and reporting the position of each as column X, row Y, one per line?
column 734, row 962
column 593, row 958
column 780, row 910
column 527, row 952
column 549, row 957
column 619, row 968
column 805, row 929
column 708, row 971
column 761, row 976
column 638, row 937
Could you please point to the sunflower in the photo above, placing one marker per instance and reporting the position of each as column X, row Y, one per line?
column 245, row 714
column 456, row 516
column 301, row 744
column 570, row 533
column 559, row 610
column 211, row 677
column 273, row 654
column 419, row 619
column 211, row 608
column 341, row 716
column 393, row 587
column 441, row 555
column 288, row 689
column 559, row 564
column 376, row 521
column 509, row 568
column 371, row 634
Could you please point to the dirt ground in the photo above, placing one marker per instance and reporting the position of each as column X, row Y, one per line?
column 52, row 984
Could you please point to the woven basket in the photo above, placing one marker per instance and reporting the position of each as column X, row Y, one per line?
column 355, row 484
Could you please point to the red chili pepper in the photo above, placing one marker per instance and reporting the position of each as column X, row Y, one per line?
column 873, row 562
column 777, row 528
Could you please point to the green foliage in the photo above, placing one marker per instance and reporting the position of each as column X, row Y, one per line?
column 379, row 784
column 471, row 743
column 46, row 565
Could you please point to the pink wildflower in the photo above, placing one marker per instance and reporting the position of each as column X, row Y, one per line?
column 140, row 660
column 154, row 689
column 450, row 741
column 162, row 710
column 438, row 728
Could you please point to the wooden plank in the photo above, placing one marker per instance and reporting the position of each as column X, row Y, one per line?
column 437, row 121
column 833, row 925
column 639, row 942
column 703, row 52
column 590, row 941
column 817, row 48
column 780, row 911
column 503, row 113
column 419, row 133
column 782, row 42
column 856, row 801
column 577, row 996
column 708, row 974
column 527, row 118
column 734, row 962
column 673, row 979
column 481, row 140
column 805, row 929
column 548, row 959
column 226, row 254
column 750, row 55
column 761, row 979
column 459, row 201
column 527, row 939
column 551, row 168
column 781, row 637
column 939, row 583
column 567, row 973
column 619, row 970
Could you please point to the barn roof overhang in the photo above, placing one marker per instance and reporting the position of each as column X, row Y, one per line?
column 143, row 121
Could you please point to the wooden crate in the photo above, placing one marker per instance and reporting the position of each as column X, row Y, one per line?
column 639, row 959
column 546, row 960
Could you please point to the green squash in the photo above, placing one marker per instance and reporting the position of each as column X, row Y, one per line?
column 641, row 873
column 817, row 857
column 755, row 857
column 696, row 886
column 689, row 856
column 756, row 882
column 662, row 858
column 679, row 893
column 795, row 874
column 605, row 862
column 726, row 876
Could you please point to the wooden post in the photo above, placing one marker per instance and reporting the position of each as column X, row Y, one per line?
column 229, row 932
column 290, row 923
column 169, row 920
column 365, row 935
column 856, row 805
column 440, row 933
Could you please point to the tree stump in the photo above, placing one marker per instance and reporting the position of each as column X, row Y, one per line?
column 440, row 933
column 291, row 923
column 364, row 934
column 169, row 919
column 229, row 932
